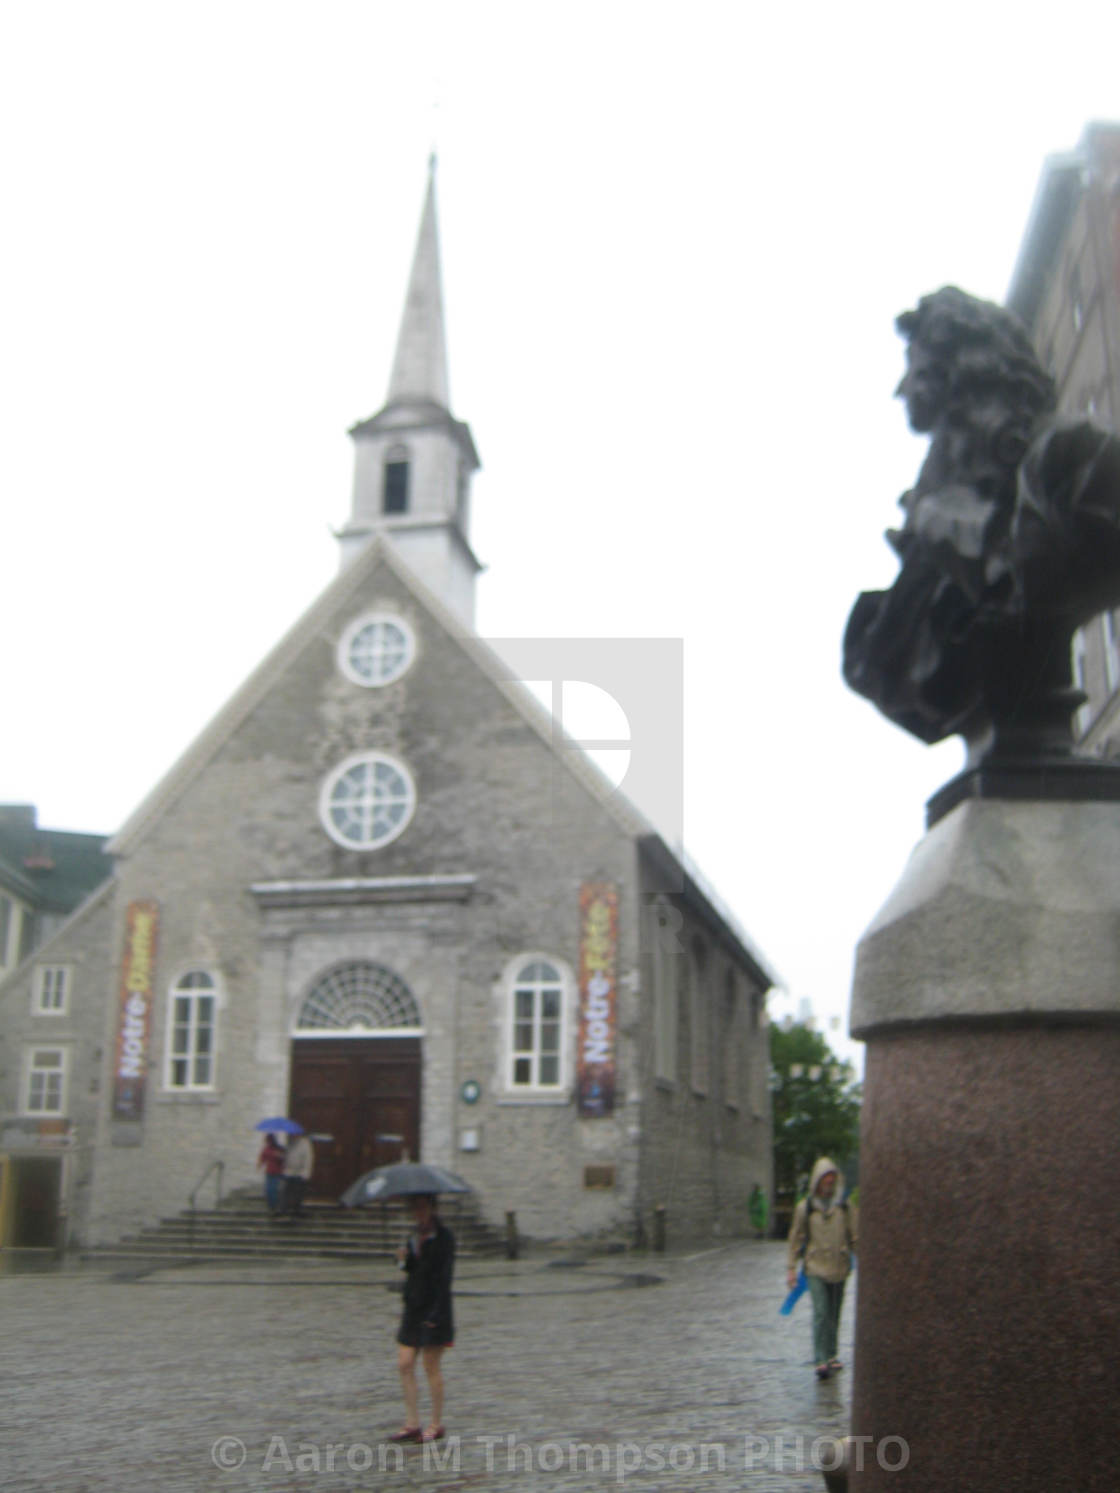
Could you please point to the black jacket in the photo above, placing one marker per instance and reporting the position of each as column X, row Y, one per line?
column 427, row 1288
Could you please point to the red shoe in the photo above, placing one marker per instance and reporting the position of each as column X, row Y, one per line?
column 434, row 1433
column 407, row 1433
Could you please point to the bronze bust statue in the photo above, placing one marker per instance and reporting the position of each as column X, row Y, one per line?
column 1010, row 541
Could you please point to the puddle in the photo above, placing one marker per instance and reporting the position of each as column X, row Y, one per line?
column 35, row 1262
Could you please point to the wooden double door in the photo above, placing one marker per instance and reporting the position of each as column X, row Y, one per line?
column 364, row 1093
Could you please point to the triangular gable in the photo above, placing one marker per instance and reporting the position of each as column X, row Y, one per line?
column 231, row 716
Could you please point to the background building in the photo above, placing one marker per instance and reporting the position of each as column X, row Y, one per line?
column 1066, row 288
column 45, row 1034
column 383, row 893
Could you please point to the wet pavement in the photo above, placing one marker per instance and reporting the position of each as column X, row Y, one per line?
column 643, row 1372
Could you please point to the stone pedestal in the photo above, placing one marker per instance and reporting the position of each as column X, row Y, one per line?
column 988, row 1322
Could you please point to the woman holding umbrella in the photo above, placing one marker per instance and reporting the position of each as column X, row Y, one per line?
column 427, row 1327
column 271, row 1159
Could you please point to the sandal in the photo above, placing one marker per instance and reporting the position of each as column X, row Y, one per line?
column 823, row 1371
column 407, row 1433
column 433, row 1433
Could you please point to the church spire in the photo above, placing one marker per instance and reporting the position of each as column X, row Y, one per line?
column 420, row 365
column 413, row 461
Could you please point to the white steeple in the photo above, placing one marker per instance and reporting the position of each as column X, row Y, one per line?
column 420, row 365
column 413, row 460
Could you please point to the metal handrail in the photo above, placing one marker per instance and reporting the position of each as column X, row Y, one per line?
column 218, row 1166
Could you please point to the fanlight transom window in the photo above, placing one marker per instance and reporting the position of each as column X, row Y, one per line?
column 361, row 996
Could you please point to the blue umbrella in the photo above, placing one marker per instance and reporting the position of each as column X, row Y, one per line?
column 795, row 1295
column 279, row 1123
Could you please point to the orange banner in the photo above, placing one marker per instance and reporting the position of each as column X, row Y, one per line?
column 598, row 960
column 134, row 1017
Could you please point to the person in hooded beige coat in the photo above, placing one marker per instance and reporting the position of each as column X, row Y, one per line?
column 825, row 1229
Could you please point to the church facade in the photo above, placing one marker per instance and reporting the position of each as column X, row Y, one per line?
column 377, row 895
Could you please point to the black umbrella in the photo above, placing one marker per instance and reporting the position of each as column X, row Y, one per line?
column 402, row 1179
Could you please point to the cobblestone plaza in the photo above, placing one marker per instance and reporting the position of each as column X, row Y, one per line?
column 646, row 1372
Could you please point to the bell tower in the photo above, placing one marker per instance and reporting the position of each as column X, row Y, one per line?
column 413, row 461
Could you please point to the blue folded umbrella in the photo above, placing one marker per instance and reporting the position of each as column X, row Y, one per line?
column 280, row 1124
column 795, row 1295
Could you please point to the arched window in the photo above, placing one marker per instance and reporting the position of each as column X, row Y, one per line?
column 360, row 996
column 191, row 1031
column 537, row 1025
column 394, row 495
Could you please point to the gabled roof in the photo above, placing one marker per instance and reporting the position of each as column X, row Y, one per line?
column 50, row 869
column 379, row 552
column 677, row 869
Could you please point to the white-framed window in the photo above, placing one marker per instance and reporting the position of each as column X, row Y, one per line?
column 537, row 1025
column 7, row 918
column 1076, row 298
column 52, row 990
column 17, row 931
column 731, row 1041
column 192, row 1020
column 1084, row 714
column 376, row 649
column 367, row 801
column 44, row 1083
column 698, row 1016
column 1111, row 651
column 665, row 923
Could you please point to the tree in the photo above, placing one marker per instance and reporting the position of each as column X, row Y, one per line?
column 815, row 1104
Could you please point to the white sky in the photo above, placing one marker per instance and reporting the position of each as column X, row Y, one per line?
column 675, row 238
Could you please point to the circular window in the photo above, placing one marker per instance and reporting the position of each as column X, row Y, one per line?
column 375, row 650
column 367, row 801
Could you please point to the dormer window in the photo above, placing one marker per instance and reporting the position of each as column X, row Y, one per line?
column 394, row 498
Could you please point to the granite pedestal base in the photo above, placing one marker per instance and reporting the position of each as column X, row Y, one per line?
column 988, row 1319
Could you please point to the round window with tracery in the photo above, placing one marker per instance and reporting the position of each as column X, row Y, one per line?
column 367, row 801
column 375, row 650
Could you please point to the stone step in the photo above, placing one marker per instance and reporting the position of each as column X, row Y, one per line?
column 340, row 1223
column 288, row 1240
column 281, row 1241
column 252, row 1249
column 239, row 1228
column 149, row 1250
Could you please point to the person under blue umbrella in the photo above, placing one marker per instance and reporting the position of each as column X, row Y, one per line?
column 271, row 1161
